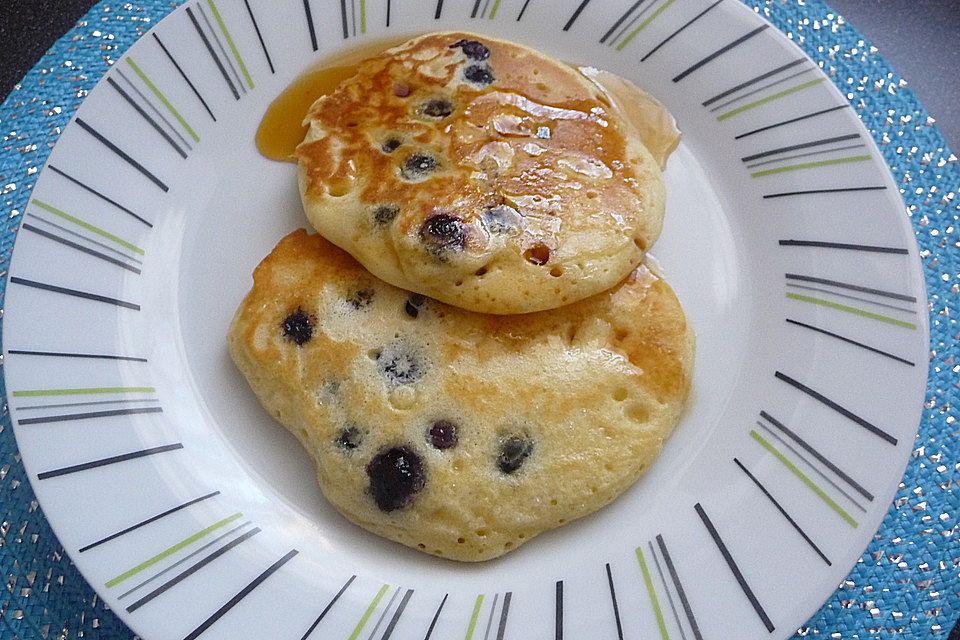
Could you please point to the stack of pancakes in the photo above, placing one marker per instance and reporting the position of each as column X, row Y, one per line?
column 472, row 349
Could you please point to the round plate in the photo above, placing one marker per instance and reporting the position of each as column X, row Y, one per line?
column 193, row 514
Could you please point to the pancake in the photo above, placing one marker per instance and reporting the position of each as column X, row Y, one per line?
column 482, row 174
column 460, row 434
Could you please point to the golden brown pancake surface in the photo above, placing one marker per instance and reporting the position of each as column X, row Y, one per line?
column 480, row 173
column 461, row 434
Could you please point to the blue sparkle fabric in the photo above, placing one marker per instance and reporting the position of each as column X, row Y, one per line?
column 905, row 585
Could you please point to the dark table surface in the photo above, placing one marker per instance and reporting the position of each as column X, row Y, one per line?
column 920, row 38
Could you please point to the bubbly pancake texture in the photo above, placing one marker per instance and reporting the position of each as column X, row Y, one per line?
column 480, row 173
column 461, row 434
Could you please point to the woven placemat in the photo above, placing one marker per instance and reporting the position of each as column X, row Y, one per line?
column 907, row 583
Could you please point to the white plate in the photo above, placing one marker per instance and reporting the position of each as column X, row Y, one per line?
column 192, row 513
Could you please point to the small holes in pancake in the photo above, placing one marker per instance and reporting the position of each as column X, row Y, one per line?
column 638, row 412
column 639, row 244
column 339, row 187
column 421, row 546
column 391, row 144
column 553, row 502
column 592, row 195
column 542, row 87
column 461, row 540
column 538, row 254
column 620, row 394
column 374, row 354
column 556, row 272
column 482, row 271
column 508, row 545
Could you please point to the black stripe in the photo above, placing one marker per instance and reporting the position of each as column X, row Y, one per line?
column 853, row 342
column 74, row 293
column 852, row 287
column 98, row 194
column 840, row 245
column 327, row 608
column 389, row 5
column 735, row 569
column 523, row 10
column 256, row 28
column 343, row 14
column 558, row 610
column 108, row 461
column 61, row 354
column 310, row 25
column 153, row 123
column 805, row 145
column 816, row 191
column 679, row 587
column 79, row 236
column 576, row 14
column 784, row 513
column 436, row 616
column 617, row 24
column 80, row 247
column 678, row 31
column 98, row 403
column 69, row 417
column 396, row 616
column 836, row 407
column 503, row 614
column 189, row 571
column 439, row 12
column 184, row 76
column 213, row 54
column 856, row 486
column 114, row 536
column 791, row 121
column 122, row 155
column 613, row 599
column 719, row 52
column 219, row 613
column 476, row 7
column 752, row 81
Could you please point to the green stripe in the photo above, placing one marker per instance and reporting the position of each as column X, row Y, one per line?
column 171, row 550
column 473, row 618
column 363, row 16
column 809, row 165
column 162, row 98
column 368, row 612
column 496, row 7
column 86, row 225
column 854, row 310
column 647, row 580
column 806, row 480
column 34, row 393
column 230, row 42
column 643, row 25
column 770, row 98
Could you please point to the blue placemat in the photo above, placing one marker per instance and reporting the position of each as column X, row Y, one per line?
column 906, row 585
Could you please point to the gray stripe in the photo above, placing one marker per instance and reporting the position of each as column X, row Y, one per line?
column 216, row 38
column 493, row 607
column 763, row 88
column 153, row 108
column 805, row 155
column 34, row 407
column 666, row 588
column 632, row 22
column 849, row 297
column 36, row 217
column 384, row 614
column 680, row 592
column 811, row 466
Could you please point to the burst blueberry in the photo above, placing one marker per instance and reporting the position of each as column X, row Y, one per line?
column 413, row 304
column 398, row 364
column 385, row 214
column 443, row 232
column 437, row 108
column 480, row 74
column 362, row 299
column 349, row 438
column 298, row 327
column 396, row 476
column 418, row 165
column 472, row 49
column 514, row 451
column 443, row 434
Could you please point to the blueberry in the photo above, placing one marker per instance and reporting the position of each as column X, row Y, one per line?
column 513, row 453
column 472, row 49
column 396, row 475
column 418, row 165
column 385, row 214
column 362, row 299
column 298, row 327
column 437, row 108
column 443, row 232
column 501, row 219
column 391, row 144
column 413, row 305
column 349, row 438
column 479, row 74
column 443, row 434
column 398, row 364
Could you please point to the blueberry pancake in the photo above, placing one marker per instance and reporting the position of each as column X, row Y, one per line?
column 461, row 434
column 480, row 173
